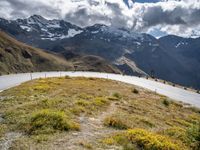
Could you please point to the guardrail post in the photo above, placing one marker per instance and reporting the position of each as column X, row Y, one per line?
column 31, row 76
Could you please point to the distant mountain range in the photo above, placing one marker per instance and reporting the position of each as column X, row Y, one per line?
column 171, row 58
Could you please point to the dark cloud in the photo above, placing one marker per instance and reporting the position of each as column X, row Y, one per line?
column 21, row 9
column 170, row 16
column 156, row 15
column 83, row 16
column 178, row 16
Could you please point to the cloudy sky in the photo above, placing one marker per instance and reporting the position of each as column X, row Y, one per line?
column 157, row 17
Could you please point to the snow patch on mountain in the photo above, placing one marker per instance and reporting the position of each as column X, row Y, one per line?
column 53, row 37
column 53, row 25
column 95, row 32
column 27, row 28
column 72, row 32
column 180, row 44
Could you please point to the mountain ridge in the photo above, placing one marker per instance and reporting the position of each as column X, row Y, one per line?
column 169, row 57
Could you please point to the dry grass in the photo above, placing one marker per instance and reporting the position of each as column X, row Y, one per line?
column 66, row 99
column 19, row 57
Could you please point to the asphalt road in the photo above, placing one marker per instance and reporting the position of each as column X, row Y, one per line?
column 174, row 93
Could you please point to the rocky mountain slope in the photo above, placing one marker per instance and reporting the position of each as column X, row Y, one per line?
column 133, row 53
column 17, row 57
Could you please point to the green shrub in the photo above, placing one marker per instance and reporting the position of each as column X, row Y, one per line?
column 135, row 91
column 121, row 139
column 48, row 121
column 82, row 103
column 99, row 101
column 177, row 133
column 117, row 95
column 151, row 141
column 147, row 122
column 166, row 102
column 77, row 110
column 67, row 77
column 115, row 123
column 112, row 98
column 190, row 136
column 193, row 134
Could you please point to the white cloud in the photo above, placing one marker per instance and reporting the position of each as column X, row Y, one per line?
column 170, row 16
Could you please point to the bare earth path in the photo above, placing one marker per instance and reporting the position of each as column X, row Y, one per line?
column 8, row 139
column 92, row 130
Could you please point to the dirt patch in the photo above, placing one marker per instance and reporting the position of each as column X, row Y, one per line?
column 92, row 130
column 8, row 139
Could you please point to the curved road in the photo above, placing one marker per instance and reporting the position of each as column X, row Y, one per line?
column 175, row 93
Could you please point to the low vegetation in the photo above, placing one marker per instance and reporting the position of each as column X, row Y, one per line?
column 166, row 102
column 115, row 123
column 48, row 121
column 134, row 90
column 91, row 113
column 143, row 139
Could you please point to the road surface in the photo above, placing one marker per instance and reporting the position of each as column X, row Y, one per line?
column 174, row 93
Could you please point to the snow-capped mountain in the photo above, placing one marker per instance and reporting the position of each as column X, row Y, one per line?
column 172, row 58
column 35, row 30
column 48, row 29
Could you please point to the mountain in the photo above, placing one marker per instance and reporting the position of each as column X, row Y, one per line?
column 186, row 51
column 17, row 57
column 170, row 58
column 137, row 53
column 38, row 31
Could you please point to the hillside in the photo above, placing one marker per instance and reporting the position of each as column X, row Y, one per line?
column 89, row 113
column 16, row 57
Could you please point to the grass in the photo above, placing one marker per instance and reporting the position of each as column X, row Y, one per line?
column 151, row 141
column 189, row 136
column 116, row 95
column 48, row 121
column 86, row 145
column 143, row 139
column 178, row 136
column 45, row 110
column 115, row 123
